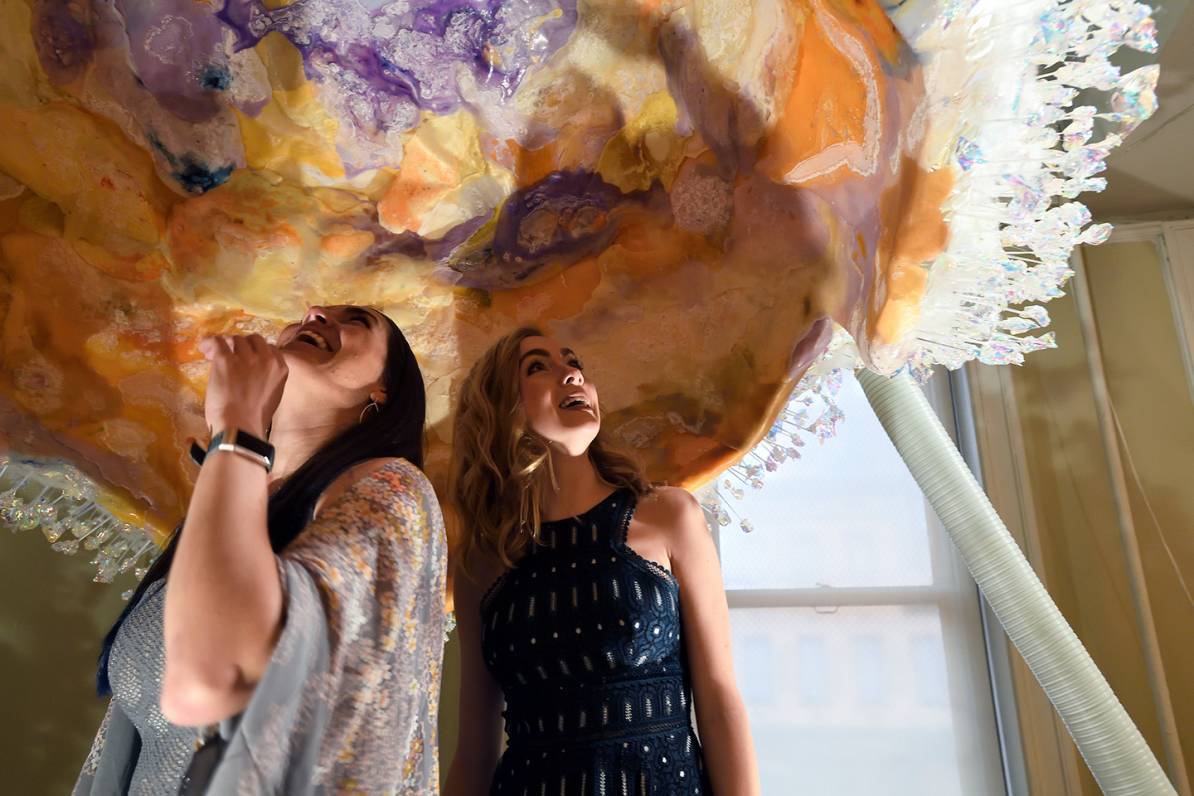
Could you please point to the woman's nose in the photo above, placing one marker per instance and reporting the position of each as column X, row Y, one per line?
column 316, row 313
column 572, row 376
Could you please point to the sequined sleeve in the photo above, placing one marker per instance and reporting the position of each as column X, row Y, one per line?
column 349, row 700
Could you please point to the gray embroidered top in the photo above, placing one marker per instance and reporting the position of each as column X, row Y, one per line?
column 348, row 703
column 137, row 662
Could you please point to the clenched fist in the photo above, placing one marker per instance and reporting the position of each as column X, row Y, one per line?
column 245, row 383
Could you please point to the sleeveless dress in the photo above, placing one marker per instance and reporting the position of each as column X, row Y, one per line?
column 583, row 636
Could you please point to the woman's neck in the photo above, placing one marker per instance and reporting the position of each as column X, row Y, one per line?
column 297, row 433
column 580, row 486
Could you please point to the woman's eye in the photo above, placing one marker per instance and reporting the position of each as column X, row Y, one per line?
column 533, row 367
column 576, row 364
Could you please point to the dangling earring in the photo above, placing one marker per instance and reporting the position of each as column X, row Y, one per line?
column 551, row 472
column 524, row 524
column 371, row 405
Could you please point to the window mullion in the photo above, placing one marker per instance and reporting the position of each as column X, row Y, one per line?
column 837, row 597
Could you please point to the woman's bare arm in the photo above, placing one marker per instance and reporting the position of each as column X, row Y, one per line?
column 721, row 713
column 479, row 745
column 224, row 599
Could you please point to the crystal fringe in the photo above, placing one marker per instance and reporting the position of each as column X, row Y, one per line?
column 812, row 411
column 1003, row 82
column 60, row 501
column 1020, row 154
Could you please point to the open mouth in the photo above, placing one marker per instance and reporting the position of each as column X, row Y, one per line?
column 575, row 402
column 314, row 338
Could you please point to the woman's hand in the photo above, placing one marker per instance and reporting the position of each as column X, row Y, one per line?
column 244, row 384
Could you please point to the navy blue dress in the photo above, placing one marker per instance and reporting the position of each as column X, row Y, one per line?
column 584, row 637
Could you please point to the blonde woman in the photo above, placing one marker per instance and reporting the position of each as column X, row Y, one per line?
column 589, row 600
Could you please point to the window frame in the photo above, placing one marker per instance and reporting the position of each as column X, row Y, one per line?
column 954, row 594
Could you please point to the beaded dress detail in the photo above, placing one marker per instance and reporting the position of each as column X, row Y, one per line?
column 584, row 637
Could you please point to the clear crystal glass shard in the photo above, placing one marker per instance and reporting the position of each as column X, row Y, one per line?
column 69, row 547
column 52, row 531
column 81, row 528
column 11, row 512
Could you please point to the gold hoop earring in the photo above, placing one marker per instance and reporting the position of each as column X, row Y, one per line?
column 371, row 405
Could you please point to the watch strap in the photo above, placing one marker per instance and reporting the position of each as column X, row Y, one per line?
column 242, row 443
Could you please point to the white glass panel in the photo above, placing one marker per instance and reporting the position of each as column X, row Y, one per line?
column 846, row 514
column 854, row 701
column 871, row 670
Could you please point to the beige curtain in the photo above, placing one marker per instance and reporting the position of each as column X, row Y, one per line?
column 1120, row 373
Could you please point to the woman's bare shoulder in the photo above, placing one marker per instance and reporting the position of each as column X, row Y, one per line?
column 669, row 507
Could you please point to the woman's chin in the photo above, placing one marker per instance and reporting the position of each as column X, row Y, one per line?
column 303, row 355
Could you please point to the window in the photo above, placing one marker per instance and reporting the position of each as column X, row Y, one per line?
column 875, row 679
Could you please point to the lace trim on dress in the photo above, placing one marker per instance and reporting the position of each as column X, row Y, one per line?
column 633, row 555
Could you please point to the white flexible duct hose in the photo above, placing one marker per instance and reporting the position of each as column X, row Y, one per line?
column 1113, row 748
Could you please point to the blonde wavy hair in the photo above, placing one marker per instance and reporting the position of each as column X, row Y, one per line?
column 501, row 468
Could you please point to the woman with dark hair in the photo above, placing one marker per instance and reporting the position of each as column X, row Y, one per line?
column 297, row 615
column 590, row 601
